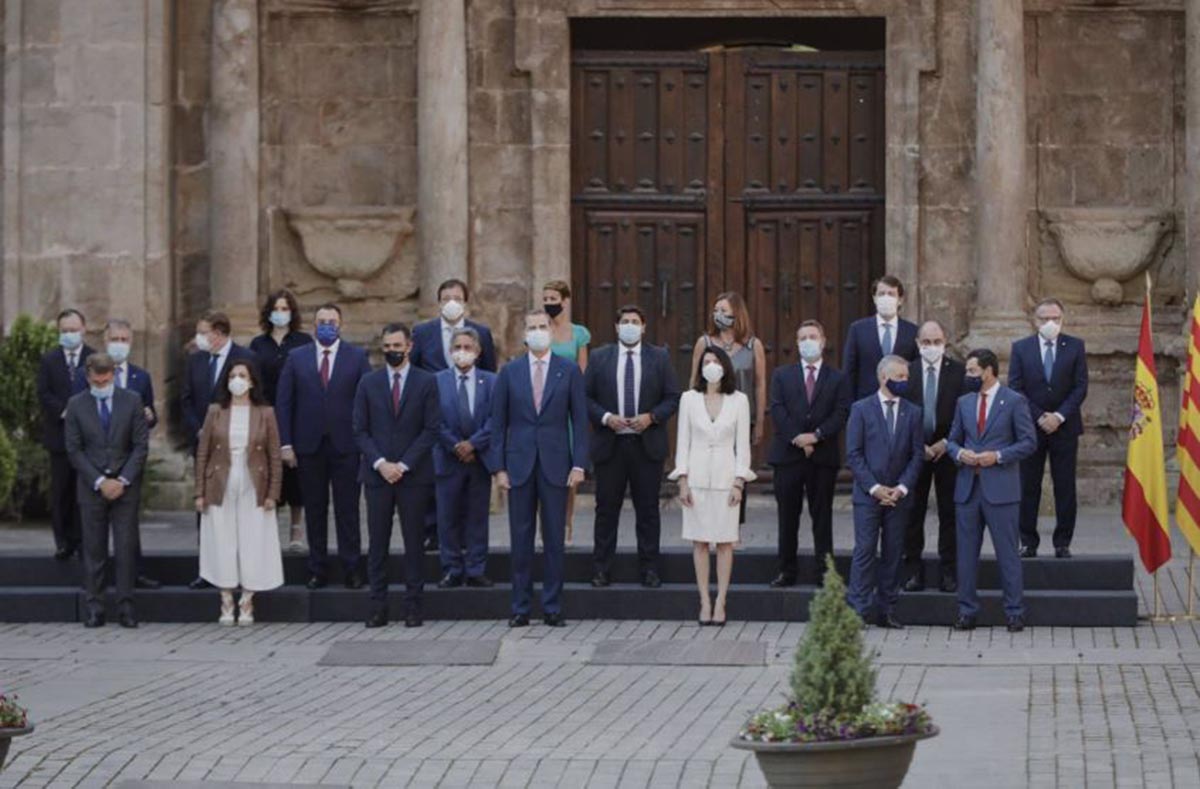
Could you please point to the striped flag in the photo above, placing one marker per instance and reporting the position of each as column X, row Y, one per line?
column 1187, row 507
column 1144, row 503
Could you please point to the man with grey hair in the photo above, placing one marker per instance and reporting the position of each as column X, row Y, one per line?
column 885, row 450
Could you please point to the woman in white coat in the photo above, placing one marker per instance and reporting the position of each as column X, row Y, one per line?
column 712, row 465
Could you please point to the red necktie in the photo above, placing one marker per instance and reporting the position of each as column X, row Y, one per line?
column 810, row 383
column 325, row 369
column 395, row 393
column 982, row 422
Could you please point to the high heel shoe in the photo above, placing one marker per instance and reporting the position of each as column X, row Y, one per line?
column 226, row 608
column 700, row 620
column 719, row 622
column 246, row 609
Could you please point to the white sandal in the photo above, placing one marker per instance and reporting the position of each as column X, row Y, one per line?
column 246, row 609
column 226, row 608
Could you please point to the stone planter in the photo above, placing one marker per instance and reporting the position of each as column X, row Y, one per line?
column 1109, row 246
column 870, row 763
column 6, row 736
column 350, row 244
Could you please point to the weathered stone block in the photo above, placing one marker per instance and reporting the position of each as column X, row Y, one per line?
column 513, row 122
column 353, row 175
column 482, row 117
column 360, row 71
column 361, row 122
column 69, row 137
column 117, row 21
column 1100, row 176
column 501, row 175
column 501, row 242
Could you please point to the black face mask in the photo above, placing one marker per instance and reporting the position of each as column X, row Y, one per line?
column 395, row 358
column 553, row 310
column 973, row 383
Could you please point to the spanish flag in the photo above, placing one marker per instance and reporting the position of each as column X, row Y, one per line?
column 1187, row 508
column 1144, row 504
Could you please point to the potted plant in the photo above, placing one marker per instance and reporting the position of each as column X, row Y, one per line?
column 833, row 731
column 14, row 721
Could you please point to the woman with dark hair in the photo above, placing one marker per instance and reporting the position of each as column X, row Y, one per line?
column 239, row 470
column 279, row 319
column 732, row 333
column 712, row 465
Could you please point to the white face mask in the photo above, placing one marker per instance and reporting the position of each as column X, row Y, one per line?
column 202, row 342
column 810, row 350
column 712, row 372
column 119, row 351
column 932, row 354
column 538, row 340
column 238, row 386
column 453, row 310
column 1050, row 330
column 886, row 306
column 463, row 359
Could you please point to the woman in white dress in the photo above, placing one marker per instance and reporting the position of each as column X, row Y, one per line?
column 239, row 473
column 712, row 465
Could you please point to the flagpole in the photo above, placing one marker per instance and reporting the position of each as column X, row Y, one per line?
column 1191, row 584
column 1157, row 617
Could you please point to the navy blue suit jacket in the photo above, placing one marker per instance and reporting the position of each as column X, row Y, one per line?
column 523, row 437
column 658, row 395
column 792, row 414
column 54, row 389
column 406, row 437
column 1068, row 384
column 306, row 411
column 863, row 352
column 450, row 430
column 199, row 390
column 1009, row 431
column 879, row 459
column 427, row 351
column 137, row 381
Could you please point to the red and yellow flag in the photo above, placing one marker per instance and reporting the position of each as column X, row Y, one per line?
column 1187, row 507
column 1144, row 504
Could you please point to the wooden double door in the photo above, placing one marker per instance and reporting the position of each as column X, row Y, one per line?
column 754, row 170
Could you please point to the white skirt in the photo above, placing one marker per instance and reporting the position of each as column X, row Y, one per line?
column 710, row 518
column 239, row 541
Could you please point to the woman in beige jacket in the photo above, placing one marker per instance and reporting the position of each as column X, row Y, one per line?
column 239, row 472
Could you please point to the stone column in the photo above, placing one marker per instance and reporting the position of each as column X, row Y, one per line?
column 1000, row 143
column 234, row 135
column 442, row 214
column 1192, row 121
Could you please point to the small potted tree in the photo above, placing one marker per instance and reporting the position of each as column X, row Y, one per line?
column 833, row 731
column 14, row 721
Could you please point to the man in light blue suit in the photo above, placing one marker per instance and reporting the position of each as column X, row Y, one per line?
column 884, row 449
column 538, row 397
column 464, row 483
column 992, row 433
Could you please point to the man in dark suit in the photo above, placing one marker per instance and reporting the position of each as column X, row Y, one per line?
column 991, row 434
column 809, row 405
column 935, row 384
column 56, row 374
column 1050, row 369
column 631, row 394
column 870, row 339
column 431, row 351
column 396, row 421
column 464, row 481
column 214, row 351
column 538, row 401
column 314, row 404
column 885, row 449
column 107, row 441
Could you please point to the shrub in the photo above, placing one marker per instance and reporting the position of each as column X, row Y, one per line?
column 20, row 414
column 8, row 465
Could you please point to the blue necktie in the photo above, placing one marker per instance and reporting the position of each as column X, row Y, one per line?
column 466, row 421
column 1048, row 360
column 105, row 415
column 930, row 405
column 891, row 417
column 212, row 368
column 886, row 343
column 630, row 409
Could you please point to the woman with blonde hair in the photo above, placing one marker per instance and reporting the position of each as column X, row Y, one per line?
column 570, row 341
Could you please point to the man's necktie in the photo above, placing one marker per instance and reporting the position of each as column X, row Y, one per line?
column 886, row 343
column 212, row 367
column 1048, row 360
column 930, row 405
column 71, row 363
column 105, row 415
column 539, row 383
column 810, row 383
column 630, row 409
column 324, row 369
column 891, row 417
column 465, row 420
column 981, row 423
column 395, row 394
column 121, row 377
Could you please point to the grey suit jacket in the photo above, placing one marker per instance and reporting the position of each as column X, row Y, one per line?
column 120, row 453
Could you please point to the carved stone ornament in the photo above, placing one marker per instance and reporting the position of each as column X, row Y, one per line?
column 350, row 244
column 1109, row 246
column 340, row 6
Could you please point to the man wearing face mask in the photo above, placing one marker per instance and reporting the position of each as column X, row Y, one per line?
column 539, row 396
column 885, row 450
column 396, row 421
column 870, row 339
column 631, row 394
column 809, row 405
column 1050, row 369
column 935, row 384
column 991, row 434
column 55, row 385
column 464, row 481
column 314, row 403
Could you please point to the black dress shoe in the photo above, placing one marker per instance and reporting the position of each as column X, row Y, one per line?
column 377, row 619
column 431, row 545
column 780, row 581
column 889, row 622
column 1062, row 553
column 964, row 623
column 949, row 584
column 317, row 582
column 354, row 581
column 650, row 580
column 1028, row 553
column 62, row 554
column 450, row 581
column 146, row 582
column 554, row 620
column 128, row 620
column 480, row 581
column 94, row 619
column 915, row 583
column 600, row 579
column 413, row 619
column 1015, row 624
column 199, row 583
column 519, row 620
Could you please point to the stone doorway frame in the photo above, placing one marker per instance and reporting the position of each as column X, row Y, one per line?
column 543, row 46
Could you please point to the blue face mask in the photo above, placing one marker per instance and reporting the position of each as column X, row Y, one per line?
column 898, row 388
column 973, row 383
column 102, row 392
column 327, row 333
column 280, row 318
column 70, row 339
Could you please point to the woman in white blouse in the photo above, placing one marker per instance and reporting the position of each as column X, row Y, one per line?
column 712, row 465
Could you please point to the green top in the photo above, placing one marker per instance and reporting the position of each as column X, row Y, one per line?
column 580, row 337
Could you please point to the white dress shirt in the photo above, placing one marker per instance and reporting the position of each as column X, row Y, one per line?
column 121, row 375
column 333, row 352
column 881, row 322
column 884, row 399
column 448, row 330
column 622, row 360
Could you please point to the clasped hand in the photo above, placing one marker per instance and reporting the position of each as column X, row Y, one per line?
column 638, row 424
column 888, row 497
column 979, row 459
column 391, row 472
column 112, row 489
column 1049, row 423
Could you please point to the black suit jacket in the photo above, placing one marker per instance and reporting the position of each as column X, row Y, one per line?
column 199, row 390
column 792, row 414
column 54, row 389
column 950, row 388
column 407, row 437
column 658, row 395
column 1068, row 385
column 862, row 352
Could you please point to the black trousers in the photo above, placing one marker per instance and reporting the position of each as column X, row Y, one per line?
column 99, row 517
column 794, row 482
column 629, row 467
column 1063, row 451
column 320, row 472
column 64, row 503
column 939, row 476
column 384, row 502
